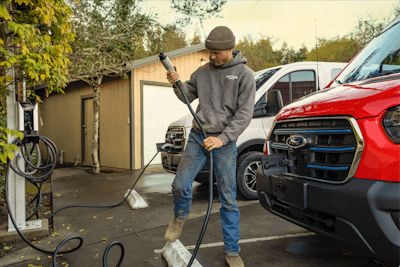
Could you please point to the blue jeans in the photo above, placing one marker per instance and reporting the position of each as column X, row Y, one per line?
column 193, row 160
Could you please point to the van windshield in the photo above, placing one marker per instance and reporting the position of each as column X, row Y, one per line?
column 380, row 57
column 263, row 76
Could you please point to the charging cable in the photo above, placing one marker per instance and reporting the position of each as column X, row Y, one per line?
column 47, row 170
column 169, row 67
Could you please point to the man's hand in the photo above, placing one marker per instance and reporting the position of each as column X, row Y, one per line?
column 172, row 76
column 212, row 142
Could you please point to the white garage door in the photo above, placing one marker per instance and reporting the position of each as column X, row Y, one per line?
column 160, row 107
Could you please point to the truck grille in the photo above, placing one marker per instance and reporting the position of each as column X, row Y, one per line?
column 331, row 154
column 176, row 136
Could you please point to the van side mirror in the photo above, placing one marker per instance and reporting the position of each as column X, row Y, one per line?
column 274, row 102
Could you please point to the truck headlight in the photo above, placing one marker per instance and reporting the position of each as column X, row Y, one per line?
column 391, row 124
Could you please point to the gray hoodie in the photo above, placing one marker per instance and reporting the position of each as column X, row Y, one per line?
column 226, row 97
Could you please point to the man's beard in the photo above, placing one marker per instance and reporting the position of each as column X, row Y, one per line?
column 219, row 63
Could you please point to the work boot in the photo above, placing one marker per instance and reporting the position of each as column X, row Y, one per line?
column 174, row 229
column 234, row 261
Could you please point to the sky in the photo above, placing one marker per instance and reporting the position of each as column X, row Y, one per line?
column 295, row 22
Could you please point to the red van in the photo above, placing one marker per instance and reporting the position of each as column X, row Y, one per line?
column 331, row 162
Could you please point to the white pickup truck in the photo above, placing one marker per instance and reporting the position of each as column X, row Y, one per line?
column 294, row 81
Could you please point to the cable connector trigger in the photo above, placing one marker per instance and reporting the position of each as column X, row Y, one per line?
column 161, row 147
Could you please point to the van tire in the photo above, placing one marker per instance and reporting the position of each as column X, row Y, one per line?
column 246, row 171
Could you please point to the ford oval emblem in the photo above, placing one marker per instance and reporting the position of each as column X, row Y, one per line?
column 296, row 141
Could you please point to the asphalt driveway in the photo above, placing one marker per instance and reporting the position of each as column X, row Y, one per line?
column 266, row 240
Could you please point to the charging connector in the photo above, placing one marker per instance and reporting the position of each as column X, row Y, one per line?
column 163, row 147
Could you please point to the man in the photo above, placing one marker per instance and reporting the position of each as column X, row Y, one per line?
column 226, row 91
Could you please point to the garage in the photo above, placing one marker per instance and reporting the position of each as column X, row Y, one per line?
column 160, row 108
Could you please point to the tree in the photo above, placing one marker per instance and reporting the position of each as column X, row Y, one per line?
column 343, row 49
column 200, row 10
column 109, row 34
column 196, row 38
column 34, row 44
column 338, row 49
column 300, row 55
column 368, row 28
column 140, row 49
column 259, row 54
column 38, row 49
column 290, row 55
column 396, row 9
column 284, row 51
column 173, row 38
column 166, row 38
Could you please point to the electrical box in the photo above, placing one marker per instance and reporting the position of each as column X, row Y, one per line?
column 28, row 117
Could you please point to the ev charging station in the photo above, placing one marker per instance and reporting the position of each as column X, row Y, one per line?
column 21, row 116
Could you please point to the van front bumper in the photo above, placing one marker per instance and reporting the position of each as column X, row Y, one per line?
column 364, row 213
column 170, row 161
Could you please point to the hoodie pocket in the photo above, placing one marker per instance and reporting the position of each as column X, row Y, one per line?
column 216, row 121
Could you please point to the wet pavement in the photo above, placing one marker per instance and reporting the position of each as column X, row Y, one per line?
column 267, row 239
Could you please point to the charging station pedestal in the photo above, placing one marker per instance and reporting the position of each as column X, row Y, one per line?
column 19, row 117
column 16, row 183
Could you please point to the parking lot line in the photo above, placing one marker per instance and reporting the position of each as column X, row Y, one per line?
column 250, row 240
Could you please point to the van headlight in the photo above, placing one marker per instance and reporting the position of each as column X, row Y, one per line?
column 391, row 124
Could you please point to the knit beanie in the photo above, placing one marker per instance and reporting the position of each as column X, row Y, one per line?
column 220, row 38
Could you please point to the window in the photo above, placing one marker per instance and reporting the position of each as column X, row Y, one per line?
column 295, row 85
column 283, row 86
column 262, row 77
column 380, row 57
column 303, row 83
column 259, row 108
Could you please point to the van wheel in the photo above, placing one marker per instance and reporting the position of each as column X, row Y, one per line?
column 246, row 172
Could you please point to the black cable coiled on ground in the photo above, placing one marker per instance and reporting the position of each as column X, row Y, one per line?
column 48, row 169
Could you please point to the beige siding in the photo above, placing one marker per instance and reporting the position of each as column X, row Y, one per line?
column 155, row 72
column 61, row 116
column 114, row 127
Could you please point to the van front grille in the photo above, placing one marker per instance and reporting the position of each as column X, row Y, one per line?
column 331, row 154
column 176, row 136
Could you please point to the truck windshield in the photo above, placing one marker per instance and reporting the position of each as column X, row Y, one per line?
column 262, row 77
column 380, row 57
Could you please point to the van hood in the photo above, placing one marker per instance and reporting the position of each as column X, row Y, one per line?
column 367, row 98
column 184, row 121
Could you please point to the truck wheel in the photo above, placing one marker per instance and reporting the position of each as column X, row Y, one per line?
column 246, row 172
